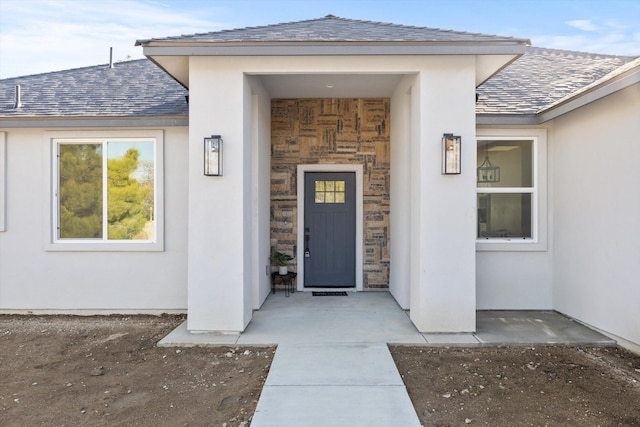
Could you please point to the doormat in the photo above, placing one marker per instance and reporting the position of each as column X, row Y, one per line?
column 329, row 294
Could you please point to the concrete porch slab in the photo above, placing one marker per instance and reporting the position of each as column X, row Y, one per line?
column 522, row 327
column 451, row 339
column 375, row 317
column 302, row 318
column 181, row 337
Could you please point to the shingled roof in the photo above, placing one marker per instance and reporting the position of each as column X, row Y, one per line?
column 139, row 88
column 541, row 77
column 334, row 29
column 130, row 89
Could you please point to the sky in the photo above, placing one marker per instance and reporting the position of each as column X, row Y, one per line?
column 38, row 36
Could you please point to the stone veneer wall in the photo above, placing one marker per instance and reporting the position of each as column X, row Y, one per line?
column 333, row 131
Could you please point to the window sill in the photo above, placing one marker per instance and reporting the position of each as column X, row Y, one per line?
column 510, row 245
column 78, row 246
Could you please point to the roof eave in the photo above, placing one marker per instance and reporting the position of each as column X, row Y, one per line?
column 329, row 48
column 91, row 122
column 506, row 119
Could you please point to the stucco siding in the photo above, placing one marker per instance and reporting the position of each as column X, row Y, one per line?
column 596, row 269
column 34, row 279
column 513, row 280
column 442, row 208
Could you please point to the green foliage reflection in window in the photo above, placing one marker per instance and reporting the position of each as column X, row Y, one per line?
column 329, row 192
column 80, row 193
column 129, row 191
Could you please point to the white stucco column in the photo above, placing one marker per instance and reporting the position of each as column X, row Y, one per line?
column 219, row 255
column 442, row 207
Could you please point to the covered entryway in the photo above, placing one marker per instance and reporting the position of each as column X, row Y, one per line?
column 268, row 133
column 331, row 190
column 257, row 86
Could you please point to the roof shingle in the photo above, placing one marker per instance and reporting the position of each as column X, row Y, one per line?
column 139, row 88
column 130, row 89
column 541, row 77
column 334, row 29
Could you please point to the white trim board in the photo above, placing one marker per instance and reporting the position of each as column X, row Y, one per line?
column 358, row 169
column 3, row 180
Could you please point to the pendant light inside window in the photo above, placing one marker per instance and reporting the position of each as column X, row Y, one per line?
column 487, row 171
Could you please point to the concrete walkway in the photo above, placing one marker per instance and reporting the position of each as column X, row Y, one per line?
column 334, row 384
column 333, row 366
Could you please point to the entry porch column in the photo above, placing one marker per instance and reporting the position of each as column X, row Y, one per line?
column 219, row 245
column 442, row 207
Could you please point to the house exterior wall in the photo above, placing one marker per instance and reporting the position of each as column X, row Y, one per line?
column 514, row 280
column 515, row 275
column 35, row 279
column 333, row 131
column 596, row 266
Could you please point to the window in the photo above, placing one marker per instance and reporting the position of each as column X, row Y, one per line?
column 511, row 190
column 505, row 189
column 106, row 194
column 329, row 192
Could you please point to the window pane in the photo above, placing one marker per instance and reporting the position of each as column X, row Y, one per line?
column 330, row 197
column 80, row 191
column 514, row 158
column 340, row 197
column 329, row 185
column 130, row 190
column 319, row 185
column 504, row 215
column 339, row 185
column 319, row 197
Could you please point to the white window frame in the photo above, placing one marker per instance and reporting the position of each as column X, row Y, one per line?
column 538, row 240
column 52, row 242
column 3, row 181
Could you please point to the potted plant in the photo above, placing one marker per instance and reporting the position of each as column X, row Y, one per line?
column 281, row 260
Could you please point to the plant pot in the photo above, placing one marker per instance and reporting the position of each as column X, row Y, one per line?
column 283, row 270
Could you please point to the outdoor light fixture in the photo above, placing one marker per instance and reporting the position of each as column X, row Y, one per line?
column 487, row 171
column 213, row 155
column 451, row 154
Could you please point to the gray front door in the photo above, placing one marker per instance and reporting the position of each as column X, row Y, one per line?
column 330, row 229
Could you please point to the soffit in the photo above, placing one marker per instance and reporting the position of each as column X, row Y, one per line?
column 330, row 85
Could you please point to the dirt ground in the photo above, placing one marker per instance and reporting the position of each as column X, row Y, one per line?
column 515, row 386
column 98, row 371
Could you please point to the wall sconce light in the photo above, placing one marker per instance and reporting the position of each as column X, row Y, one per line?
column 451, row 154
column 213, row 155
